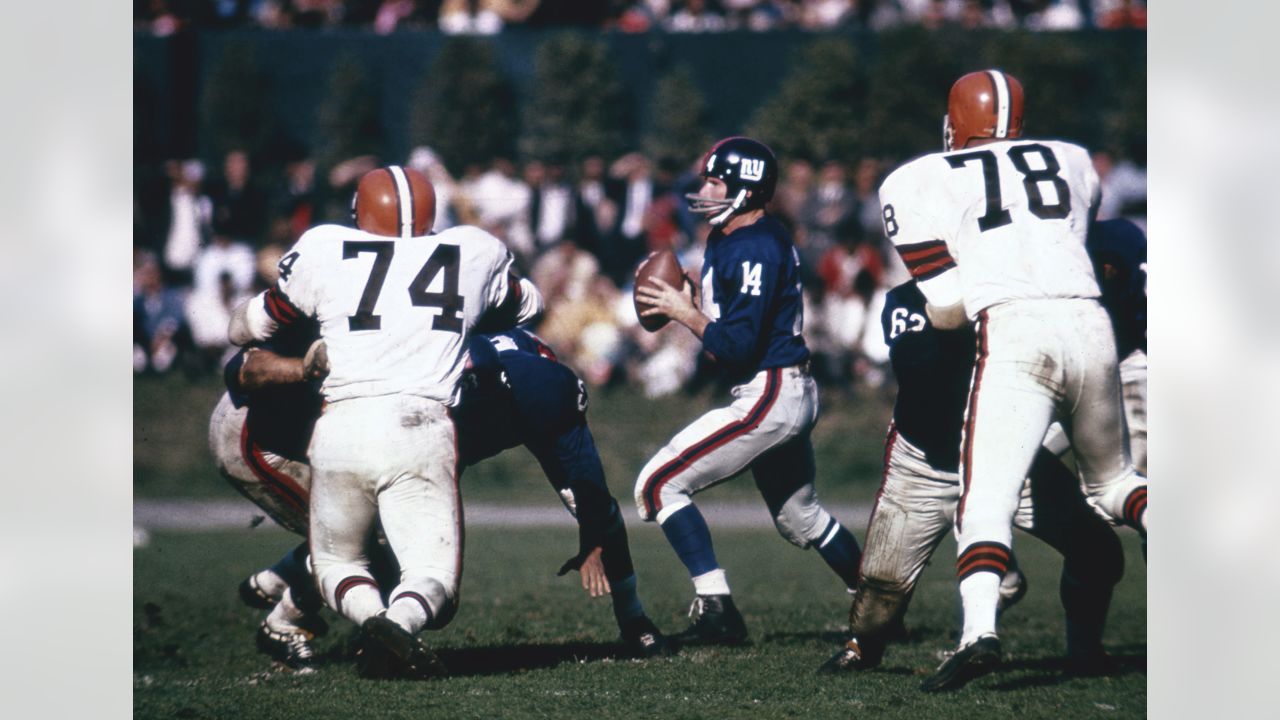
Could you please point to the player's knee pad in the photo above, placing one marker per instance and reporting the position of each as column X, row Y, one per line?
column 801, row 520
column 877, row 604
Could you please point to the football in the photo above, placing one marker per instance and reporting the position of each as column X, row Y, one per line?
column 662, row 264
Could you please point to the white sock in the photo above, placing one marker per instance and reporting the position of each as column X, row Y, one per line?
column 361, row 603
column 711, row 583
column 270, row 583
column 980, row 594
column 285, row 616
column 408, row 613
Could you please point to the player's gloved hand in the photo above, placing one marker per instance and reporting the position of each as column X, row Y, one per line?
column 592, row 569
column 315, row 364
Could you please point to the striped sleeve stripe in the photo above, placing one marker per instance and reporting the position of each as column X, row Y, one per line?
column 927, row 259
column 280, row 308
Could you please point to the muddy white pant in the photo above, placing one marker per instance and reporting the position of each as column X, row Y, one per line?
column 393, row 459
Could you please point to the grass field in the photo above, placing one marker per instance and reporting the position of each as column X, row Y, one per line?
column 526, row 644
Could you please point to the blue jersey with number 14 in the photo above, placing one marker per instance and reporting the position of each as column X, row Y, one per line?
column 751, row 291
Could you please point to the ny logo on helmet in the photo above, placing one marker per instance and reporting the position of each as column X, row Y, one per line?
column 751, row 169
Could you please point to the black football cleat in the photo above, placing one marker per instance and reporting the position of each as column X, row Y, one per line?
column 389, row 651
column 848, row 659
column 717, row 622
column 969, row 662
column 291, row 649
column 644, row 640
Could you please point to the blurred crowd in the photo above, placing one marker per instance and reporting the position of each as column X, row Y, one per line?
column 207, row 238
column 485, row 17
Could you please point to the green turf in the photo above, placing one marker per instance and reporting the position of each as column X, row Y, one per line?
column 526, row 644
column 171, row 454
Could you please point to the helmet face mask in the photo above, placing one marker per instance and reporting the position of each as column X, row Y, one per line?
column 394, row 202
column 982, row 105
column 749, row 172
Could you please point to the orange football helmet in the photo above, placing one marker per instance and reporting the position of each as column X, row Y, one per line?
column 394, row 201
column 983, row 104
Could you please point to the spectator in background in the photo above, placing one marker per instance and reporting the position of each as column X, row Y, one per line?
column 393, row 14
column 483, row 17
column 294, row 207
column 190, row 215
column 793, row 192
column 631, row 189
column 826, row 14
column 1122, row 14
column 598, row 212
column 500, row 201
column 449, row 212
column 1124, row 187
column 239, row 208
column 160, row 332
column 694, row 16
column 829, row 206
column 224, row 276
column 552, row 210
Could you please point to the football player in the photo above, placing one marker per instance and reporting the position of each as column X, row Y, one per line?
column 750, row 322
column 515, row 392
column 993, row 231
column 917, row 501
column 258, row 436
column 395, row 306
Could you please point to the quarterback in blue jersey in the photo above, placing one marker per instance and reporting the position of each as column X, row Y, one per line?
column 750, row 324
column 920, row 492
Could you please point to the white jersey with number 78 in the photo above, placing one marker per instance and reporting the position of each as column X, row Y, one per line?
column 993, row 223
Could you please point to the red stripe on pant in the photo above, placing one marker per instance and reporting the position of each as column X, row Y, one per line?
column 890, row 441
column 663, row 475
column 276, row 482
column 971, row 412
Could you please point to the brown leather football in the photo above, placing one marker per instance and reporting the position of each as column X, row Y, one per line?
column 663, row 264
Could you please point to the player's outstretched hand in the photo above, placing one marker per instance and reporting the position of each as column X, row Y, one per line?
column 593, row 577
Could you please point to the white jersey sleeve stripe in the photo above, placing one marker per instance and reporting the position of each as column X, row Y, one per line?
column 1001, row 84
column 404, row 199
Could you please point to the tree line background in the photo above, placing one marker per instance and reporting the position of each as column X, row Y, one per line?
column 561, row 96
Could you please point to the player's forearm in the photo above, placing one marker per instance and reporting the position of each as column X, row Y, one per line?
column 263, row 368
column 694, row 320
column 250, row 322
